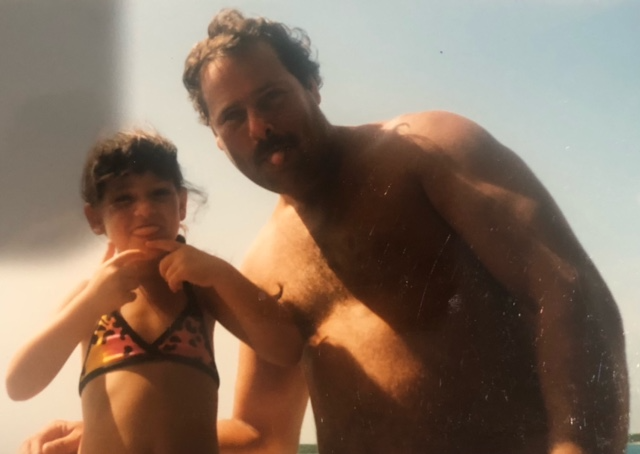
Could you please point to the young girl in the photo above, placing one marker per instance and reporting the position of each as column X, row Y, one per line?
column 149, row 382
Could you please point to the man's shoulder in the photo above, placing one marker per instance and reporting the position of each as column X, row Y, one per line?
column 274, row 235
column 431, row 122
column 258, row 254
column 442, row 134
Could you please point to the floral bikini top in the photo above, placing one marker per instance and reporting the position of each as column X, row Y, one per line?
column 115, row 345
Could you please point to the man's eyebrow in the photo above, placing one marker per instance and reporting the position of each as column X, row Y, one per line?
column 226, row 109
column 255, row 93
column 268, row 86
column 222, row 112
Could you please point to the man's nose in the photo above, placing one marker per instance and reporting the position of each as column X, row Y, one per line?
column 259, row 126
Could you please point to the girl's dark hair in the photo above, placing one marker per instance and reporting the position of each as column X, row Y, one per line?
column 230, row 31
column 128, row 152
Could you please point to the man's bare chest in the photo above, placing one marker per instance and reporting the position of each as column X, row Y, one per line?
column 380, row 251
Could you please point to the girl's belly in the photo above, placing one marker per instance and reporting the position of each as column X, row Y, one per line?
column 160, row 408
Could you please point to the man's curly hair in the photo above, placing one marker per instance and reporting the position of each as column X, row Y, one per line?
column 230, row 31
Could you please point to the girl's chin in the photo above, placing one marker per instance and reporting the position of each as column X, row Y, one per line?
column 150, row 254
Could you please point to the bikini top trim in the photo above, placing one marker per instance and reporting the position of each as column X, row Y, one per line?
column 115, row 344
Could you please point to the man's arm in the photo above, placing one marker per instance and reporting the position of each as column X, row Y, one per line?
column 496, row 204
column 270, row 402
column 238, row 304
column 58, row 437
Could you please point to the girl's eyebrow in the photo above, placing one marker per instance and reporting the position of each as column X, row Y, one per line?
column 118, row 187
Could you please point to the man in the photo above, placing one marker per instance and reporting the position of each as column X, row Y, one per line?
column 447, row 306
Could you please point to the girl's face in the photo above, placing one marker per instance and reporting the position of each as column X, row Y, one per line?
column 137, row 208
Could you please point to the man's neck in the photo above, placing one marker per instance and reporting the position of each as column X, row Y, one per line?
column 319, row 183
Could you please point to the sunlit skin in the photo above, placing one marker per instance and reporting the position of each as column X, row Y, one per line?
column 446, row 305
column 138, row 208
column 254, row 106
column 159, row 407
column 120, row 407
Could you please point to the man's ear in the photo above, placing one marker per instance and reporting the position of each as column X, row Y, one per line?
column 94, row 218
column 182, row 199
column 219, row 141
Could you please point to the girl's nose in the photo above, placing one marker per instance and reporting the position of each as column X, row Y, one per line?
column 144, row 207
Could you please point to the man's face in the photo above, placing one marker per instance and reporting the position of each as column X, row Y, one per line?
column 264, row 119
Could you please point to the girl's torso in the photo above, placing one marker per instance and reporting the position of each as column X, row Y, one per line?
column 149, row 381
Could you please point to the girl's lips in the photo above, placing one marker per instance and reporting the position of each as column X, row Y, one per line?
column 146, row 230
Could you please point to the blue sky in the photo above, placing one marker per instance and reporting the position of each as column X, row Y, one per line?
column 555, row 80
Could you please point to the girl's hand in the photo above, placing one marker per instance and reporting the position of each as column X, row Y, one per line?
column 185, row 263
column 114, row 283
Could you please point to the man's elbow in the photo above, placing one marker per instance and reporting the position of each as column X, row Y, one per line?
column 290, row 353
column 235, row 435
column 292, row 358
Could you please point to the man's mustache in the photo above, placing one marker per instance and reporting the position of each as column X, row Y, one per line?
column 273, row 143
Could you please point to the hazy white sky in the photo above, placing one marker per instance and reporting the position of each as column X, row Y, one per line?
column 556, row 80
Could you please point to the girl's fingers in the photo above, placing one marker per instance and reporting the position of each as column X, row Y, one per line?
column 164, row 245
column 171, row 276
column 128, row 256
column 164, row 266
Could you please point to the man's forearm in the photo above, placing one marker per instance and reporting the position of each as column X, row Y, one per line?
column 236, row 436
column 265, row 324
